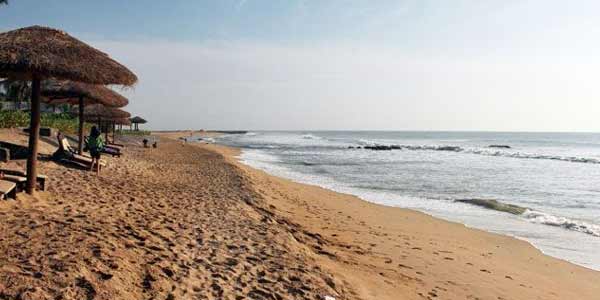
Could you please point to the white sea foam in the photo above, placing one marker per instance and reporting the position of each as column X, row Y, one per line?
column 486, row 151
column 428, row 172
column 310, row 137
column 575, row 225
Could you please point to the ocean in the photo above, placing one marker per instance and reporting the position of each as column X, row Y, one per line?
column 540, row 187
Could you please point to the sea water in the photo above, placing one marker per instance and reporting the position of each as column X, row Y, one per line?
column 553, row 179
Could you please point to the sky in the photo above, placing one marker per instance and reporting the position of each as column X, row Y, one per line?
column 530, row 65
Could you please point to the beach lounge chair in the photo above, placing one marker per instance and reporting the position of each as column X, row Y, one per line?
column 67, row 154
column 20, row 179
column 108, row 149
column 113, row 144
column 8, row 189
column 114, row 151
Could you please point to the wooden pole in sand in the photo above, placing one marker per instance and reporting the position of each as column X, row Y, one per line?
column 105, row 127
column 81, row 121
column 34, row 133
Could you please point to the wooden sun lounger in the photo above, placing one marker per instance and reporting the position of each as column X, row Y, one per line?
column 20, row 178
column 116, row 145
column 82, row 160
column 112, row 151
column 109, row 149
column 8, row 189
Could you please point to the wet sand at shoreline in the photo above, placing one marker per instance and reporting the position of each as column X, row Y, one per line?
column 394, row 253
column 187, row 221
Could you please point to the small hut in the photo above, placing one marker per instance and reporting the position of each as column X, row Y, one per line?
column 36, row 53
column 136, row 121
column 80, row 94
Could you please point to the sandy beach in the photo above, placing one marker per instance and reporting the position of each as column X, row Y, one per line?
column 188, row 221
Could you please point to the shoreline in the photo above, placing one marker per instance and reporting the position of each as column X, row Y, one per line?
column 551, row 224
column 543, row 267
column 189, row 221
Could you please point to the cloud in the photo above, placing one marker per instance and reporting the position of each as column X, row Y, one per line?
column 252, row 85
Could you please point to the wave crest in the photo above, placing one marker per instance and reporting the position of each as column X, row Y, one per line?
column 575, row 225
column 536, row 216
column 310, row 137
column 479, row 151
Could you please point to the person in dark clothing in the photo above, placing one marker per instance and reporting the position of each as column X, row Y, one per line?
column 95, row 145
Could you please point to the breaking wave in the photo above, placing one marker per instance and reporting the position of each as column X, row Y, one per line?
column 575, row 225
column 479, row 151
column 536, row 216
column 310, row 137
column 535, row 156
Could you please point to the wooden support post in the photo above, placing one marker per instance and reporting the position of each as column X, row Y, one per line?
column 81, row 123
column 105, row 128
column 34, row 133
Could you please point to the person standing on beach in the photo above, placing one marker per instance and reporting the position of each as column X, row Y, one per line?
column 95, row 145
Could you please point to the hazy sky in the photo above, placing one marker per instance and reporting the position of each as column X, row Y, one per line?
column 388, row 65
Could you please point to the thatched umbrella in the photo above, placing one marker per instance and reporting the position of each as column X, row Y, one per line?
column 120, row 122
column 36, row 53
column 100, row 112
column 81, row 94
column 138, row 120
column 104, row 115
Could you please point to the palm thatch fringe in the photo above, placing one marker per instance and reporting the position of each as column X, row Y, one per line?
column 50, row 53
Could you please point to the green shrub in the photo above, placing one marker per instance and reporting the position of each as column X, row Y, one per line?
column 63, row 122
column 9, row 119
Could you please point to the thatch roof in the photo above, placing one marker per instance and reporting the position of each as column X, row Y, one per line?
column 138, row 120
column 122, row 121
column 51, row 53
column 56, row 92
column 98, row 111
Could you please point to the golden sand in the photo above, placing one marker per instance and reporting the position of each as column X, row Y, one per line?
column 188, row 221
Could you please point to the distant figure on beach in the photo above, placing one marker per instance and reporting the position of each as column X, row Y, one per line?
column 145, row 141
column 155, row 145
column 96, row 145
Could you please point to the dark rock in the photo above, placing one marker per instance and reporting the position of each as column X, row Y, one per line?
column 499, row 146
column 449, row 148
column 379, row 148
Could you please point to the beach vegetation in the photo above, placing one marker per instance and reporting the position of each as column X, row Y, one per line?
column 63, row 122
